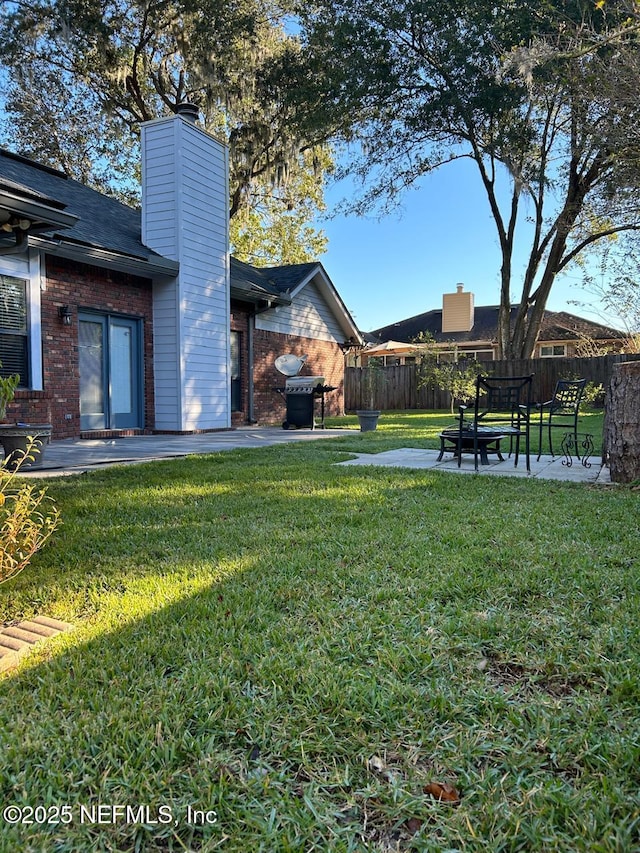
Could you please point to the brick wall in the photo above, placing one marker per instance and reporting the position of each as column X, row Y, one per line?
column 324, row 359
column 81, row 287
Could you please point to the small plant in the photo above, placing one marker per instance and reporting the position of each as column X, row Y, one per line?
column 373, row 378
column 458, row 377
column 593, row 395
column 27, row 516
column 8, row 385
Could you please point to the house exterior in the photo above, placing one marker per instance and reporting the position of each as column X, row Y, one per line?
column 120, row 320
column 460, row 328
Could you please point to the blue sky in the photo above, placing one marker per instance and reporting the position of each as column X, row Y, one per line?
column 389, row 269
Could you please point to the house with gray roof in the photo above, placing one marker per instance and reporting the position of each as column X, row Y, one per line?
column 121, row 320
column 460, row 328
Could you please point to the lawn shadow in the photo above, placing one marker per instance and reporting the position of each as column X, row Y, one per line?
column 255, row 633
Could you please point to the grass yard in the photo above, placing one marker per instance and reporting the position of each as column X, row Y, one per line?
column 273, row 653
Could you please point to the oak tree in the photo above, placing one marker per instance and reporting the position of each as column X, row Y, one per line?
column 81, row 75
column 419, row 84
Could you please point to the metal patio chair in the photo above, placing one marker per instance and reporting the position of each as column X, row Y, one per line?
column 561, row 411
column 502, row 406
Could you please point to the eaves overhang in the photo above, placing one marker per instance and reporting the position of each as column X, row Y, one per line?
column 153, row 266
column 42, row 215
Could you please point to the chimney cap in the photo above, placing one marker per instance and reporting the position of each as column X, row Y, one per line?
column 188, row 111
column 459, row 287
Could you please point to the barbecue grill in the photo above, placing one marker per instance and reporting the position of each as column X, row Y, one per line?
column 300, row 393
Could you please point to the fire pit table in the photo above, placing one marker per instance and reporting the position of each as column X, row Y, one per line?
column 488, row 442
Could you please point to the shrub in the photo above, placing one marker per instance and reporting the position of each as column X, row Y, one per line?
column 593, row 395
column 28, row 517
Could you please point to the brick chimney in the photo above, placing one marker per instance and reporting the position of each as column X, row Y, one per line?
column 457, row 311
column 185, row 217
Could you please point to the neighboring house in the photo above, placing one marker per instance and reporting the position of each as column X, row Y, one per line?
column 126, row 320
column 462, row 329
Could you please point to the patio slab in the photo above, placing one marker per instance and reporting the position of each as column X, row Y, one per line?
column 75, row 456
column 547, row 468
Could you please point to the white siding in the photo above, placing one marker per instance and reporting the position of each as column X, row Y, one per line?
column 166, row 363
column 185, row 217
column 308, row 316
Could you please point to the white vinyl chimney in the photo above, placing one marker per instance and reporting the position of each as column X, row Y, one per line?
column 457, row 311
column 185, row 193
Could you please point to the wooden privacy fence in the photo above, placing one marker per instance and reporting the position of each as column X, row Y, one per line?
column 396, row 387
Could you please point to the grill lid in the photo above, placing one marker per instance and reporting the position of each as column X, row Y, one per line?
column 290, row 364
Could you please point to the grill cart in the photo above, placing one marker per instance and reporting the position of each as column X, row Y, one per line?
column 300, row 393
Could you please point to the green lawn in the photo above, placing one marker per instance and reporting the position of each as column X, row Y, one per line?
column 304, row 649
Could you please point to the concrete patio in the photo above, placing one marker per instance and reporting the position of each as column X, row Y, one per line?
column 74, row 456
column 64, row 458
column 547, row 468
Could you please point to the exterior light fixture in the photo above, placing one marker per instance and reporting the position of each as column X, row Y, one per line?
column 10, row 223
column 64, row 313
column 350, row 344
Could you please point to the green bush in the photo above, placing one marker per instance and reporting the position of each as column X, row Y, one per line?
column 28, row 517
column 593, row 395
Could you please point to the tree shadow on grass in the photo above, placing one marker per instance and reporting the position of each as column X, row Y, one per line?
column 258, row 632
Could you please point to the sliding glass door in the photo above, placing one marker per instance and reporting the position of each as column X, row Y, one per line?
column 110, row 372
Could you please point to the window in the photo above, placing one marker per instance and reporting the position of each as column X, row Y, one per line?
column 461, row 354
column 553, row 351
column 480, row 354
column 14, row 350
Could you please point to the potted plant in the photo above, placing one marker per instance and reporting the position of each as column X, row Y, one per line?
column 368, row 418
column 19, row 441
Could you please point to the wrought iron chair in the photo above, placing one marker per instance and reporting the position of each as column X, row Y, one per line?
column 502, row 406
column 561, row 411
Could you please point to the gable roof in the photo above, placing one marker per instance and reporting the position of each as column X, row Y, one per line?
column 272, row 286
column 556, row 325
column 268, row 284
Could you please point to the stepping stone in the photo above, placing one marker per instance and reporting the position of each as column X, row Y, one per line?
column 16, row 640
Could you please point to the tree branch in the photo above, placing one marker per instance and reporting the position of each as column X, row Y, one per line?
column 594, row 238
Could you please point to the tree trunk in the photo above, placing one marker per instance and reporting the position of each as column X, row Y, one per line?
column 622, row 423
